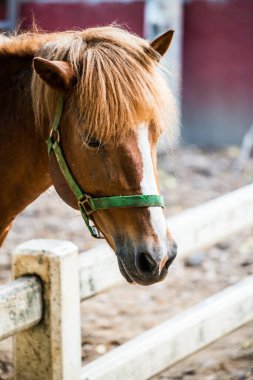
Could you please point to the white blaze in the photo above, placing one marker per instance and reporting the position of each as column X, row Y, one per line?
column 149, row 186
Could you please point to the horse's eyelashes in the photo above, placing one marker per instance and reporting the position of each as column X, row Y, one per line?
column 90, row 141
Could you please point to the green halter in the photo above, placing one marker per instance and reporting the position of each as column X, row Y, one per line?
column 87, row 203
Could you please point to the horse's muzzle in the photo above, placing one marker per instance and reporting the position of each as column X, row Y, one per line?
column 145, row 266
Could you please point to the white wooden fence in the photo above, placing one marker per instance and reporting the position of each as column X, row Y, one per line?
column 41, row 307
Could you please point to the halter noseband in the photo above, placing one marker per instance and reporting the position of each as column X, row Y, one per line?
column 86, row 202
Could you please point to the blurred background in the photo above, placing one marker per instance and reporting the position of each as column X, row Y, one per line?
column 211, row 66
column 211, row 57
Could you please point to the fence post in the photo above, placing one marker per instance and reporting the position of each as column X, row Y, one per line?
column 52, row 349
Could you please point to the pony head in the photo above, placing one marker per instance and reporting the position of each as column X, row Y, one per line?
column 116, row 105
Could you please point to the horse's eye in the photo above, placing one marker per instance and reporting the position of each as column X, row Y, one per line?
column 93, row 143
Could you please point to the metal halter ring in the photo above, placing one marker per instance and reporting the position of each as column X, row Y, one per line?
column 55, row 135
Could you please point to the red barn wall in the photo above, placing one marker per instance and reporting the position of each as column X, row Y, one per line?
column 217, row 89
column 62, row 16
column 2, row 11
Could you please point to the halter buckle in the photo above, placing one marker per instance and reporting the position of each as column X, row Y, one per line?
column 84, row 202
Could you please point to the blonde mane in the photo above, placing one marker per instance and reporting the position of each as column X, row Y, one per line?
column 119, row 81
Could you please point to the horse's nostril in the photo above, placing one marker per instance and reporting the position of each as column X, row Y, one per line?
column 146, row 263
column 168, row 262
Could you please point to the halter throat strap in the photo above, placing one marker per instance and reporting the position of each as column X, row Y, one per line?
column 87, row 203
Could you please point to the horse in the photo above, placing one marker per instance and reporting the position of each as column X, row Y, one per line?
column 100, row 100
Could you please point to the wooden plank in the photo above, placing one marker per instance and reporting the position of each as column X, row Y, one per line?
column 213, row 221
column 164, row 345
column 20, row 305
column 193, row 229
column 98, row 270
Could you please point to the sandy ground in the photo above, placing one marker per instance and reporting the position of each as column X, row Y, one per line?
column 188, row 177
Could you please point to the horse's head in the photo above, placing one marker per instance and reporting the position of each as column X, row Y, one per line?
column 115, row 103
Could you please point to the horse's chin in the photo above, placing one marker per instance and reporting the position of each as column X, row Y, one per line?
column 124, row 272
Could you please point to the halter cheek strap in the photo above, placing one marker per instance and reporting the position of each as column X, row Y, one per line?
column 87, row 203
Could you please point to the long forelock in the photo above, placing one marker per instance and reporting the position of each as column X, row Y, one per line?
column 119, row 83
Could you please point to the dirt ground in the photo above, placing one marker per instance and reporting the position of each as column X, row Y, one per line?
column 188, row 177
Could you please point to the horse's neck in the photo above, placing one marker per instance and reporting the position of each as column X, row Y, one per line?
column 23, row 157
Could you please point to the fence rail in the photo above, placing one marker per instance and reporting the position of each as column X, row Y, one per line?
column 20, row 305
column 53, row 345
column 164, row 345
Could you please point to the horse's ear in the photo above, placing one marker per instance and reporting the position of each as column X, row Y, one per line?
column 162, row 43
column 57, row 74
